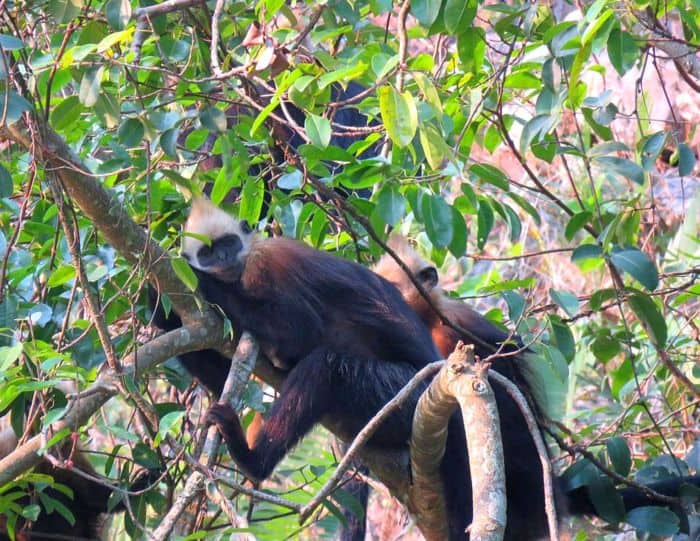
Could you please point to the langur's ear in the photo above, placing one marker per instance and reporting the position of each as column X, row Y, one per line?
column 428, row 277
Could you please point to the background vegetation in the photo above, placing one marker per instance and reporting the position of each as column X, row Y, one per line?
column 543, row 157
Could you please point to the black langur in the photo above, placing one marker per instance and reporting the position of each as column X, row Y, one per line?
column 524, row 481
column 346, row 336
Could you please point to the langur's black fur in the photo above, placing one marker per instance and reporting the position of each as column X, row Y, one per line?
column 346, row 335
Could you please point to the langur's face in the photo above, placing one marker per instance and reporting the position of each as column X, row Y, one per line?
column 229, row 241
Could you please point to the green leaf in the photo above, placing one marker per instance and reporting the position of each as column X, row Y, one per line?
column 184, row 272
column 622, row 50
column 426, row 11
column 471, row 49
column 437, row 217
column 6, row 186
column 399, row 114
column 145, row 456
column 622, row 166
column 291, row 180
column 654, row 520
column 118, row 13
column 391, row 205
column 131, row 132
column 318, row 129
column 535, row 129
column 427, row 88
column 653, row 145
column 123, row 38
column 650, row 317
column 214, row 119
column 606, row 500
column 638, row 265
column 576, row 222
column 66, row 113
column 516, row 305
column 562, row 337
column 64, row 11
column 686, row 160
column 61, row 275
column 458, row 245
column 252, row 197
column 168, row 425
column 8, row 355
column 458, row 15
column 90, row 86
column 434, row 146
column 10, row 43
column 619, row 454
column 16, row 105
column 566, row 301
column 485, row 221
column 492, row 175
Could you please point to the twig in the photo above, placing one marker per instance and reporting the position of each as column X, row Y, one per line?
column 241, row 368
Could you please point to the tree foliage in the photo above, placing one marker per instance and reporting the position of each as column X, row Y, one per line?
column 542, row 156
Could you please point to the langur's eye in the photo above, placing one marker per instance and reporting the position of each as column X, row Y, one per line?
column 245, row 227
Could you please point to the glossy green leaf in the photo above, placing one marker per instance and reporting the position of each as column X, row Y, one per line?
column 391, row 205
column 64, row 11
column 471, row 48
column 492, row 175
column 562, row 337
column 433, row 145
column 458, row 244
column 437, row 216
column 399, row 114
column 458, row 15
column 118, row 13
column 651, row 318
column 619, row 454
column 623, row 50
column 566, row 301
column 90, row 86
column 485, row 221
column 426, row 11
column 622, row 166
column 16, row 105
column 577, row 222
column 252, row 197
column 131, row 132
column 318, row 129
column 686, row 160
column 62, row 275
column 638, row 265
column 654, row 520
column 184, row 272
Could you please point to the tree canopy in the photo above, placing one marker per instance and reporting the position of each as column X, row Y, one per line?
column 542, row 156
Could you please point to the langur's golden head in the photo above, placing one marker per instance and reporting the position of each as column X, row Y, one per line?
column 230, row 241
column 388, row 268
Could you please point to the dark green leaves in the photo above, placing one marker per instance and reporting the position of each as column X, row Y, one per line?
column 622, row 50
column 686, row 160
column 654, row 520
column 437, row 217
column 651, row 318
column 622, row 166
column 619, row 455
column 637, row 264
column 426, row 11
